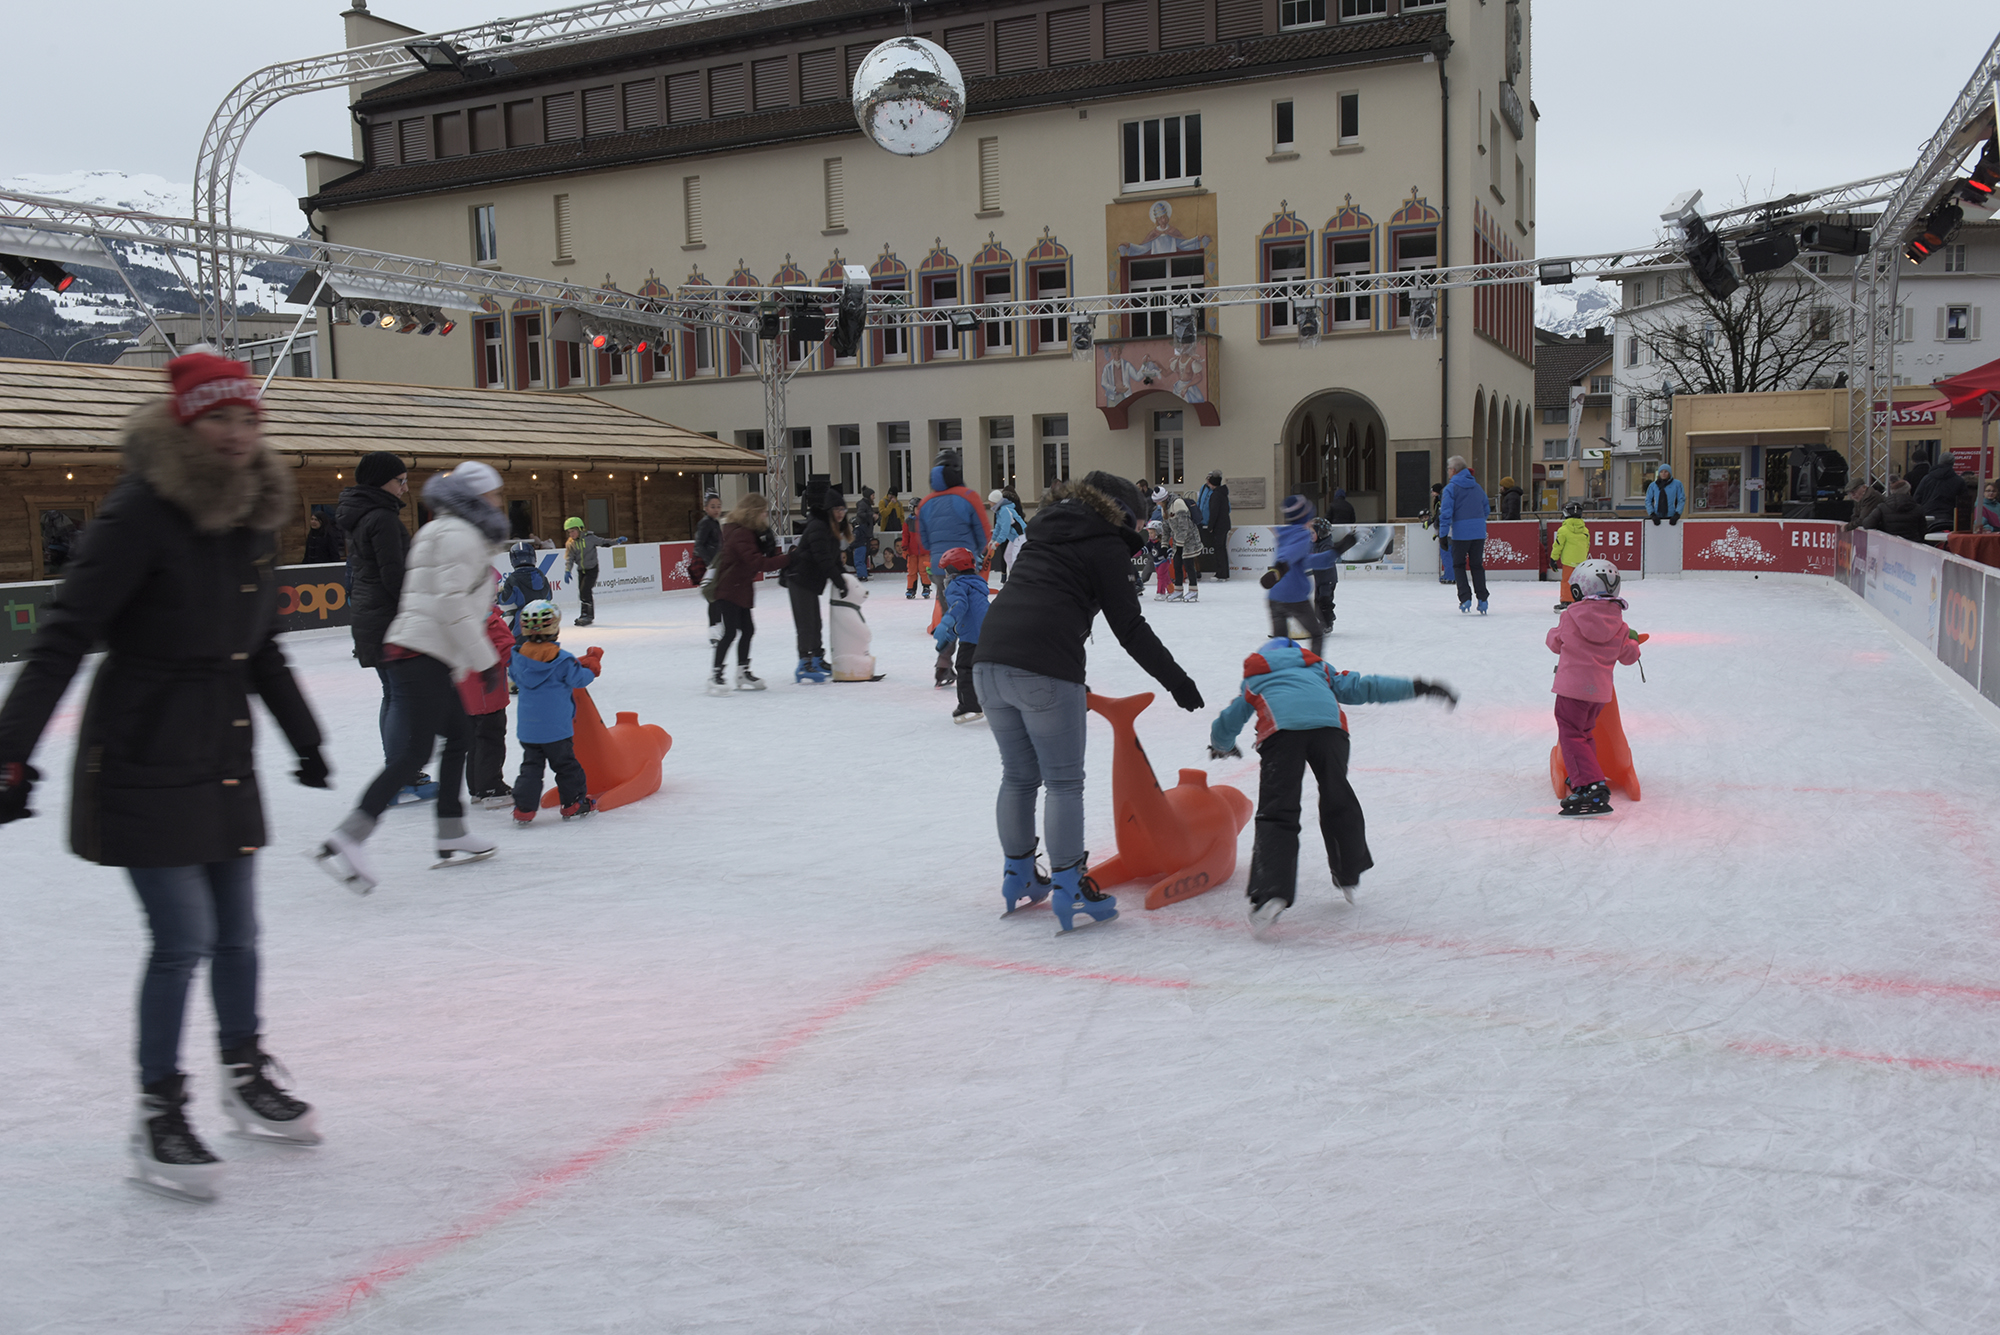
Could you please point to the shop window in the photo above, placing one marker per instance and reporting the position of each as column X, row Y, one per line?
column 1718, row 481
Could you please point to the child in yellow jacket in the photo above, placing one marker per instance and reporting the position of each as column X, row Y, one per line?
column 1570, row 546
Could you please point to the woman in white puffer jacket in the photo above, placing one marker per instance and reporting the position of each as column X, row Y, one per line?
column 438, row 637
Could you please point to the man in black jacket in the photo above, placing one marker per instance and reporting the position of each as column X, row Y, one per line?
column 708, row 546
column 377, row 542
column 1940, row 493
column 815, row 561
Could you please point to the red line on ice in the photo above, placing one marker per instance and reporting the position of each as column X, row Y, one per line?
column 1945, row 1065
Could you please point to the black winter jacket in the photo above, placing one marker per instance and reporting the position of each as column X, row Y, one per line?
column 816, row 559
column 1340, row 510
column 377, row 544
column 1898, row 515
column 1077, row 563
column 707, row 540
column 1510, row 503
column 1941, row 491
column 176, row 574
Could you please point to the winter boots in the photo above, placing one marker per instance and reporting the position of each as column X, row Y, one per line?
column 1074, row 892
column 812, row 670
column 1022, row 883
column 258, row 1106
column 1593, row 799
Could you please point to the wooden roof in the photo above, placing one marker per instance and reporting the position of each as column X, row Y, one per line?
column 48, row 405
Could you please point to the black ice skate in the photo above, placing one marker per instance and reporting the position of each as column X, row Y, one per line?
column 167, row 1156
column 258, row 1106
column 1590, row 800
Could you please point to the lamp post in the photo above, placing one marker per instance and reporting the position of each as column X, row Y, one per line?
column 25, row 334
column 94, row 338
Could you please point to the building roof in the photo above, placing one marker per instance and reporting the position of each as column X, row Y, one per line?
column 1561, row 362
column 67, row 406
column 1224, row 62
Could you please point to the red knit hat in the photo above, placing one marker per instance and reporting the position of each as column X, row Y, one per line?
column 204, row 382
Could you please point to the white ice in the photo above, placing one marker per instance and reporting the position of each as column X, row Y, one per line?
column 759, row 1054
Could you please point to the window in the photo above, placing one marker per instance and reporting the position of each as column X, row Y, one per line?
column 989, row 175
column 1422, row 4
column 559, row 118
column 1631, row 352
column 1281, row 263
column 701, row 357
column 489, row 132
column 836, row 194
column 662, row 363
column 684, row 102
column 1055, row 449
column 529, row 352
column 1555, row 416
column 1350, row 255
column 450, row 133
column 1632, row 413
column 1363, row 9
column 847, row 439
column 1819, row 264
column 1660, row 289
column 1169, row 466
column 571, row 365
column 1954, row 258
column 1555, row 449
column 1165, row 275
column 942, row 292
column 802, row 458
column 902, row 475
column 1819, row 324
column 1600, row 384
column 1050, row 283
column 1000, row 450
column 771, row 83
column 1717, row 483
column 950, row 434
column 1414, row 251
column 1350, row 118
column 523, row 125
column 1301, row 13
column 642, row 104
column 726, row 93
column 996, row 285
column 1520, row 193
column 1493, row 154
column 1069, row 36
column 485, row 235
column 691, row 209
column 1281, row 127
column 894, row 338
column 1956, row 324
column 1162, row 151
column 819, row 76
column 564, row 237
column 492, row 356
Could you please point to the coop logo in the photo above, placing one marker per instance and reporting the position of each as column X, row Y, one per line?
column 1961, row 623
column 306, row 599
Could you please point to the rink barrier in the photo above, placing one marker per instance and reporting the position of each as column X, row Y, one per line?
column 310, row 597
column 1945, row 603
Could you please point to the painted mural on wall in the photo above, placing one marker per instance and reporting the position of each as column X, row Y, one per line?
column 1156, row 243
column 1129, row 368
column 1158, row 228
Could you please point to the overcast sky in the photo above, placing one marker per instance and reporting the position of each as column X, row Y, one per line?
column 1639, row 101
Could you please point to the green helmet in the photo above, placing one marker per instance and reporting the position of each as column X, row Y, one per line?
column 572, row 522
column 541, row 618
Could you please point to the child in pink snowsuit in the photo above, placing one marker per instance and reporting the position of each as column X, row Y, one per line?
column 1589, row 641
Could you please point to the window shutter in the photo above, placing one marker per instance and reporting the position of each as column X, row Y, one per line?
column 642, row 104
column 600, row 111
column 1015, row 39
column 1125, row 28
column 1182, row 23
column 415, row 134
column 1975, row 322
column 771, row 82
column 559, row 118
column 1236, row 19
column 855, row 55
column 725, row 91
column 451, row 141
column 819, row 76
column 1940, row 324
column 836, row 194
column 488, row 132
column 684, row 96
column 989, row 175
column 691, row 208
column 382, row 143
column 523, row 124
column 1069, row 36
column 563, row 233
column 967, row 48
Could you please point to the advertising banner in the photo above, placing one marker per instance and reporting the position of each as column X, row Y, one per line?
column 1959, row 618
column 1250, row 548
column 1377, row 549
column 312, row 597
column 1514, row 544
column 628, row 569
column 677, row 565
column 1903, row 580
column 1618, row 541
column 1989, row 654
column 25, row 605
column 1760, row 546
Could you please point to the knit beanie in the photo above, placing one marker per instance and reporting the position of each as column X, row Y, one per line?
column 204, row 382
column 1296, row 510
column 378, row 468
column 478, row 478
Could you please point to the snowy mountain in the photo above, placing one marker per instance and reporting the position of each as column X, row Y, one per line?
column 1574, row 307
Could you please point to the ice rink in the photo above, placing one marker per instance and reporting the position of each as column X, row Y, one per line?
column 758, row 1054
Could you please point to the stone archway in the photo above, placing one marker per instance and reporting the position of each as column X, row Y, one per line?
column 1338, row 439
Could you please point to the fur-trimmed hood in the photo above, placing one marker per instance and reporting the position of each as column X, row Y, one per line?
column 1077, row 512
column 214, row 493
column 1091, row 498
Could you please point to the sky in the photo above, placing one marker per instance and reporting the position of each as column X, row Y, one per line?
column 1742, row 99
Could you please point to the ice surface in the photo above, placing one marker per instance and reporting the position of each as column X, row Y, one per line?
column 759, row 1053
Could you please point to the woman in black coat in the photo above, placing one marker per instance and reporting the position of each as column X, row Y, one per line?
column 378, row 545
column 176, row 576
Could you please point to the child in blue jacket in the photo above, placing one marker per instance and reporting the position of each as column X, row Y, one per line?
column 1297, row 701
column 525, row 583
column 964, row 613
column 545, row 714
column 1289, row 578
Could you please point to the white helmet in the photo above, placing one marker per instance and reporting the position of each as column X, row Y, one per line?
column 1595, row 578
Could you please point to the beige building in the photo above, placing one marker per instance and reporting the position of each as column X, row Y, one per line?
column 1117, row 145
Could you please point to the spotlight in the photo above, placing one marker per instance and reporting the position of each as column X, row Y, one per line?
column 1766, row 251
column 1933, row 232
column 963, row 319
column 1834, row 239
column 1554, row 273
column 53, row 274
column 430, row 323
column 767, row 318
column 411, row 323
column 371, row 318
column 1082, row 334
column 808, row 319
column 448, row 325
column 339, row 313
column 1977, row 189
column 17, row 271
column 639, row 348
column 1307, row 317
column 1183, row 326
column 387, row 320
column 852, row 316
column 1704, row 255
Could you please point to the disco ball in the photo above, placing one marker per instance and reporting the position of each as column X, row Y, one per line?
column 909, row 96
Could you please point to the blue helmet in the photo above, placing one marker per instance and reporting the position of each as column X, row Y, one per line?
column 522, row 553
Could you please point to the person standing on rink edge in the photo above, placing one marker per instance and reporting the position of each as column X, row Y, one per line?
column 1462, row 508
column 580, row 560
column 437, row 639
column 708, row 546
column 175, row 576
column 1212, row 512
column 1029, row 675
column 1665, row 497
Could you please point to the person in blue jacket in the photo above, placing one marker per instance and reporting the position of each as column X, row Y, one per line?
column 545, row 718
column 1289, row 578
column 965, row 599
column 951, row 516
column 525, row 583
column 1665, row 498
column 1462, row 508
column 1296, row 699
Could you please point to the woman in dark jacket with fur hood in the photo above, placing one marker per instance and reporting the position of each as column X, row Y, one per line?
column 176, row 576
column 1029, row 672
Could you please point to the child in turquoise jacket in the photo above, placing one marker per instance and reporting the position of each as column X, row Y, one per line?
column 1296, row 699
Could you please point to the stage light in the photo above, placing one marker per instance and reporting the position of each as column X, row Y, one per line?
column 1766, row 251
column 429, row 325
column 18, row 271
column 1704, row 255
column 1554, row 273
column 767, row 318
column 411, row 323
column 599, row 340
column 1306, row 315
column 1834, row 239
column 448, row 325
column 808, row 319
column 371, row 318
column 851, row 319
column 1977, row 189
column 388, row 320
column 1933, row 232
column 639, row 348
column 53, row 274
column 1183, row 326
column 339, row 314
column 962, row 319
column 1081, row 335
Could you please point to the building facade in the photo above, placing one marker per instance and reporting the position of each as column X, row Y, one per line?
column 1112, row 146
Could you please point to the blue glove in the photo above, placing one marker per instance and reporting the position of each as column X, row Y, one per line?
column 942, row 638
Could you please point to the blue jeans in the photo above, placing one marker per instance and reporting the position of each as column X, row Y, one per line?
column 389, row 719
column 196, row 913
column 1038, row 723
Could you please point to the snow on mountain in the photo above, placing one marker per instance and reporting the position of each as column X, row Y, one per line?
column 1574, row 307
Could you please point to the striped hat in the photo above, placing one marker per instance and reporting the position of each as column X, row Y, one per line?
column 1296, row 510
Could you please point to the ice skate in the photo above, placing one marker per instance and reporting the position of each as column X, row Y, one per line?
column 1593, row 799
column 1346, row 888
column 259, row 1107
column 167, row 1156
column 1193, row 593
column 1482, row 607
column 715, row 634
column 424, row 789
column 584, row 620
column 455, row 847
column 910, row 595
column 811, row 670
column 496, row 801
column 1163, row 597
column 944, row 675
column 523, row 819
column 577, row 810
column 927, row 590
column 716, row 685
column 746, row 680
column 1264, row 913
column 1072, row 892
column 970, row 716
column 345, row 859
column 1465, row 606
column 1022, row 884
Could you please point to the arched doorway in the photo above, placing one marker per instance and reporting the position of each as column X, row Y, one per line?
column 1337, row 439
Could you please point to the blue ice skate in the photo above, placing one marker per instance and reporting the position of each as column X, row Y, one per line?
column 1022, row 884
column 1482, row 607
column 1466, row 606
column 812, row 670
column 1074, row 891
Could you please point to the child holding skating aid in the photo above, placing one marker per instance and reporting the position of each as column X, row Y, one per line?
column 1297, row 699
column 1590, row 640
column 546, row 714
column 1569, row 546
column 484, row 695
column 965, row 601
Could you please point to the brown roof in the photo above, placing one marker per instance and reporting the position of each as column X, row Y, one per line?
column 1316, row 48
column 1560, row 362
column 69, row 406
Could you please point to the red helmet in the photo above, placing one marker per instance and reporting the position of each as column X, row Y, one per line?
column 958, row 558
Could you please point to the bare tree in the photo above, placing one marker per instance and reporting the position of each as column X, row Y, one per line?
column 1776, row 331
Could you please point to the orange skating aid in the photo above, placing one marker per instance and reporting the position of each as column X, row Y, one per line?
column 1182, row 840
column 622, row 762
column 1614, row 754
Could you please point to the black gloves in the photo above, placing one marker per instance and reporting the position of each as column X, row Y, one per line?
column 1656, row 521
column 312, row 771
column 1438, row 689
column 1673, row 519
column 1234, row 752
column 1187, row 695
column 1270, row 577
column 17, row 780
